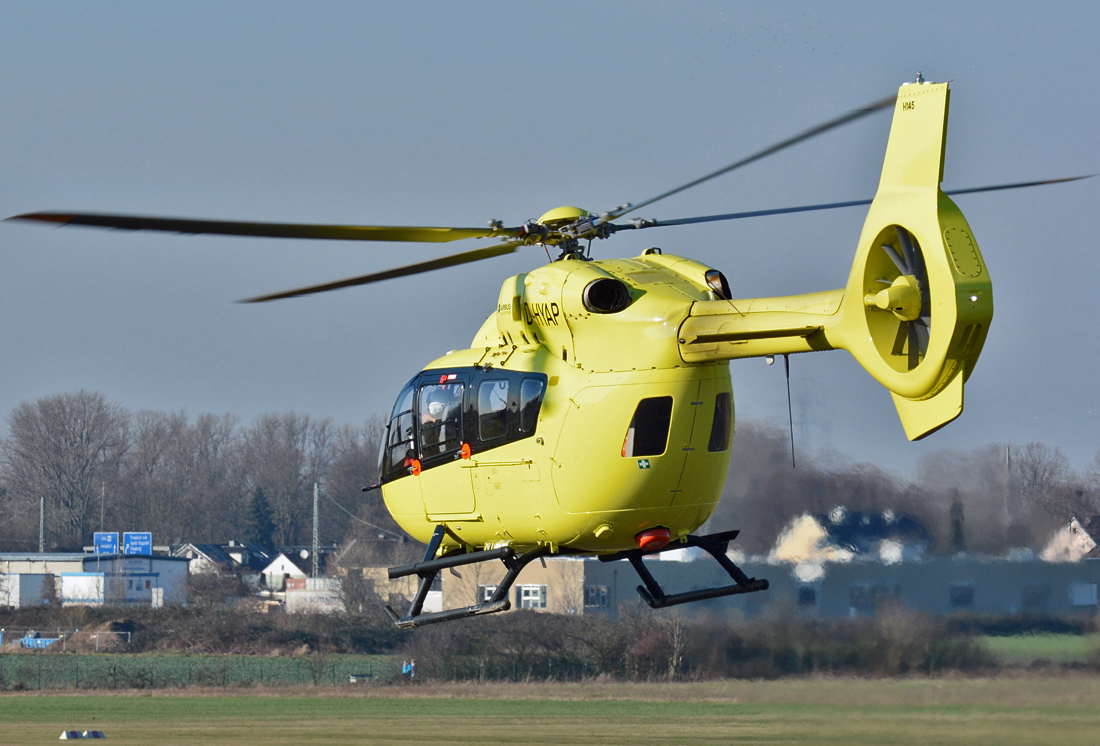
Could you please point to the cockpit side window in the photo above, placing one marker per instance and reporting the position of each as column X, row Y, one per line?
column 439, row 407
column 530, row 400
column 492, row 409
column 399, row 444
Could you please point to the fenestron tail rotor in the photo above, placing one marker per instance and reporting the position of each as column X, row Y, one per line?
column 908, row 298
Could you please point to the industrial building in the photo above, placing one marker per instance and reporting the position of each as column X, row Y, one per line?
column 75, row 579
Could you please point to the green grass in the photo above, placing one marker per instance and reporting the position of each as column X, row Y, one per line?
column 1024, row 649
column 43, row 670
column 1004, row 712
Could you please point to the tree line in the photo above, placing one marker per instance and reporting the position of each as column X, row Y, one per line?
column 213, row 478
column 210, row 478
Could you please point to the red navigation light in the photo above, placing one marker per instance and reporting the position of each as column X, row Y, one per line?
column 653, row 538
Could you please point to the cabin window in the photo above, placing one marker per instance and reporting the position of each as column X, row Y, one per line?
column 722, row 426
column 439, row 408
column 648, row 431
column 492, row 410
column 398, row 445
column 530, row 399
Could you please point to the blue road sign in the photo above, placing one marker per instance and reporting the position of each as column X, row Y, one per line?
column 106, row 542
column 137, row 542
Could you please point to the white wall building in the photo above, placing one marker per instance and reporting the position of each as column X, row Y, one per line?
column 276, row 574
column 23, row 589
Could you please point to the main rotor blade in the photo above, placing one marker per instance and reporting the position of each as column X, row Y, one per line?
column 851, row 116
column 267, row 230
column 640, row 224
column 413, row 269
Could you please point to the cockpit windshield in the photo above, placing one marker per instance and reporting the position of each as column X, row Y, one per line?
column 399, row 446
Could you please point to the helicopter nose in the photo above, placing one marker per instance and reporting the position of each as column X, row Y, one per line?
column 653, row 538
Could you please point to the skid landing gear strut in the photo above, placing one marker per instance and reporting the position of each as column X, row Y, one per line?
column 715, row 545
column 429, row 568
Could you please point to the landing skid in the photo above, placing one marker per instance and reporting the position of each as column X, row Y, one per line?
column 429, row 568
column 715, row 545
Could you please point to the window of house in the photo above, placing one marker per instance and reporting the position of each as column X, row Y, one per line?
column 1035, row 597
column 597, row 596
column 531, row 596
column 530, row 400
column 865, row 598
column 439, row 408
column 492, row 410
column 722, row 426
column 961, row 595
column 648, row 431
column 485, row 593
column 148, row 584
column 807, row 597
column 1082, row 594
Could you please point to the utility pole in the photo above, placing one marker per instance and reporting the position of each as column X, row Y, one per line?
column 102, row 500
column 42, row 524
column 316, row 530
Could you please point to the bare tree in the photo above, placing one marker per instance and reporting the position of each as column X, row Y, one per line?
column 65, row 448
column 183, row 479
column 284, row 455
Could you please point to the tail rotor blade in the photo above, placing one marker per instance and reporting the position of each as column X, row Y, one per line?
column 922, row 334
column 907, row 250
column 914, row 345
column 895, row 258
column 899, row 340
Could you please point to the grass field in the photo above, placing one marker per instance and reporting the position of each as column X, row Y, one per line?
column 1003, row 711
column 1024, row 649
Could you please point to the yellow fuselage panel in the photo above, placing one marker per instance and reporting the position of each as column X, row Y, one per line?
column 570, row 484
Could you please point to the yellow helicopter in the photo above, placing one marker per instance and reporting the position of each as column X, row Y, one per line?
column 593, row 411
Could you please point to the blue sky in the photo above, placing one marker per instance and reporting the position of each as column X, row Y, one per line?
column 455, row 114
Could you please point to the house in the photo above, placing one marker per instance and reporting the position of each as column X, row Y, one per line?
column 126, row 580
column 204, row 558
column 275, row 574
column 233, row 557
column 1076, row 541
column 557, row 586
column 862, row 587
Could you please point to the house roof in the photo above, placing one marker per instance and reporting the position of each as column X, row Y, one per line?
column 211, row 552
column 275, row 562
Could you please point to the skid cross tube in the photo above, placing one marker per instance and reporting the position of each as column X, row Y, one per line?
column 429, row 569
column 715, row 545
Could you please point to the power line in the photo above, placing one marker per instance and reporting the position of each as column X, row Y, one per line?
column 357, row 518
